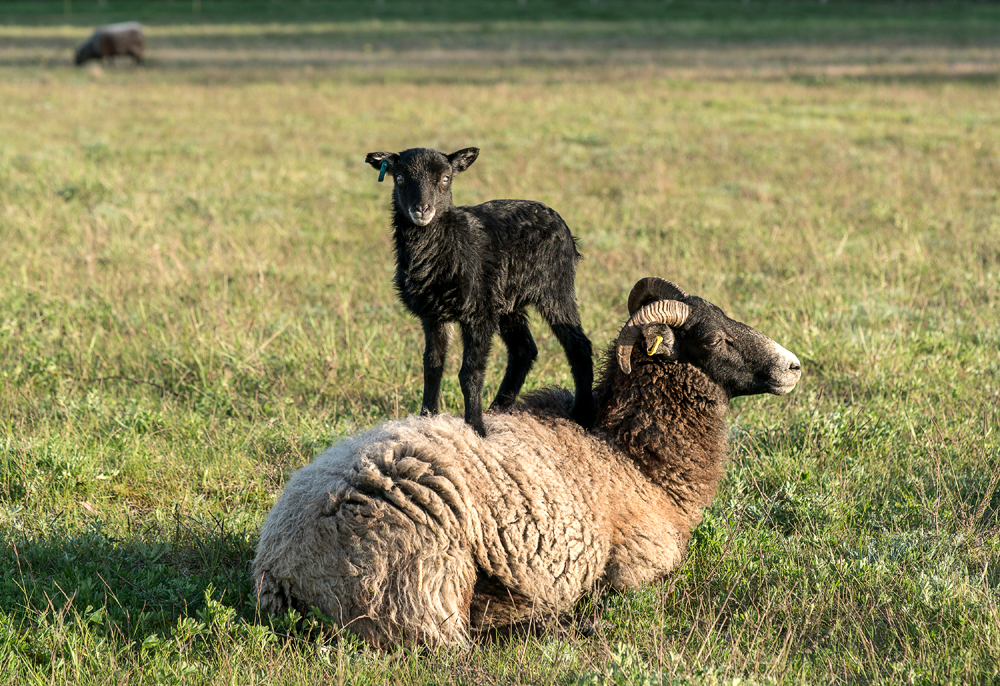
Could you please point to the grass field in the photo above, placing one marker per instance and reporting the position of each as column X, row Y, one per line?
column 195, row 298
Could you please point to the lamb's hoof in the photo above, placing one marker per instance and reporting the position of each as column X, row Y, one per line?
column 585, row 416
column 476, row 422
column 501, row 405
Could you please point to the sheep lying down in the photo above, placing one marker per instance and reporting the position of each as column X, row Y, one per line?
column 419, row 529
column 422, row 531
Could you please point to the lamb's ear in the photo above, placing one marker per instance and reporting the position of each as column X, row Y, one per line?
column 659, row 340
column 463, row 159
column 376, row 159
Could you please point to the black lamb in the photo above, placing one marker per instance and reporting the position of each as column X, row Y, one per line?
column 481, row 266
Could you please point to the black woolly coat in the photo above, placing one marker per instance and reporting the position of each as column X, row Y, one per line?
column 484, row 261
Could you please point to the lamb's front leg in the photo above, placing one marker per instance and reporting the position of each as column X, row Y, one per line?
column 476, row 341
column 437, row 337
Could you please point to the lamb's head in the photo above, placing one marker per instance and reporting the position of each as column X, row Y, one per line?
column 422, row 179
column 669, row 323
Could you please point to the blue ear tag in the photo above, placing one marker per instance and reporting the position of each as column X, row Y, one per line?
column 381, row 172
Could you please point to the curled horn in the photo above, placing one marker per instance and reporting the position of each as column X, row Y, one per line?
column 669, row 312
column 653, row 287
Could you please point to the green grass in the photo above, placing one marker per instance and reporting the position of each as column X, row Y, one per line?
column 195, row 298
column 706, row 19
column 44, row 30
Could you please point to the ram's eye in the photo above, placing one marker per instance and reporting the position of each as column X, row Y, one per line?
column 399, row 179
column 716, row 342
column 445, row 180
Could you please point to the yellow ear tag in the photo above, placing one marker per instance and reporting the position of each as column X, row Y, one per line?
column 656, row 346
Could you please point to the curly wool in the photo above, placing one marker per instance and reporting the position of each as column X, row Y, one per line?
column 422, row 531
column 680, row 441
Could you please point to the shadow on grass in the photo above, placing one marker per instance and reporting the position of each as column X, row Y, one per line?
column 144, row 582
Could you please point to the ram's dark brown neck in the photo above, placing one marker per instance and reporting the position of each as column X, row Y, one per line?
column 670, row 419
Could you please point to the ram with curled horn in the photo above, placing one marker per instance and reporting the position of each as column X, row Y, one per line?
column 423, row 531
column 648, row 303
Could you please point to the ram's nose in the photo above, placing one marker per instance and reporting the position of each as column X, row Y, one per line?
column 788, row 371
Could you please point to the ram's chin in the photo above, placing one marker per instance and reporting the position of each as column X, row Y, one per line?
column 783, row 389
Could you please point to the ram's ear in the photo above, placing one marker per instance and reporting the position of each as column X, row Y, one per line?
column 659, row 340
column 463, row 159
column 375, row 159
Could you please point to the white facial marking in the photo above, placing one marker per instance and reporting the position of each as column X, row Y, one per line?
column 422, row 218
column 788, row 370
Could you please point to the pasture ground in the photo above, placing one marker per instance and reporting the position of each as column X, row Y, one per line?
column 194, row 299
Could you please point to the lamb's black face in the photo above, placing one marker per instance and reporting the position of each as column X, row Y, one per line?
column 740, row 359
column 422, row 179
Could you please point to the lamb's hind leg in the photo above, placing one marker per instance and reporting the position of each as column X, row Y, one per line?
column 580, row 356
column 521, row 355
column 565, row 323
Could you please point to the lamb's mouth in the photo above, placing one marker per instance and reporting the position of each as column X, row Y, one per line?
column 422, row 218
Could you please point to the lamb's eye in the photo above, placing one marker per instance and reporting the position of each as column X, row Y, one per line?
column 445, row 180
